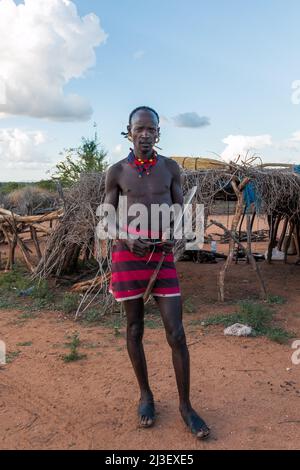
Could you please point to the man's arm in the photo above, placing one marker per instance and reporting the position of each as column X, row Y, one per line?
column 112, row 188
column 176, row 189
column 112, row 192
column 176, row 195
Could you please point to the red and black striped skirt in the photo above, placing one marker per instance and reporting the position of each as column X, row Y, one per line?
column 131, row 274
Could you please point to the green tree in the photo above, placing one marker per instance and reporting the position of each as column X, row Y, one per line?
column 48, row 185
column 6, row 188
column 88, row 157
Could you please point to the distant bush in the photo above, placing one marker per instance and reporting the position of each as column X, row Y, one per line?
column 30, row 199
column 88, row 157
column 48, row 185
column 2, row 200
column 6, row 188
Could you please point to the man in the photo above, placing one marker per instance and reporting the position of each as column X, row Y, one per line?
column 148, row 178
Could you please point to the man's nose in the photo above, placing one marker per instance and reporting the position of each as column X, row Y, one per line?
column 145, row 133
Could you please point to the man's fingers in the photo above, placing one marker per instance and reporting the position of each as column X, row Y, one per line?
column 143, row 244
column 139, row 252
column 169, row 242
column 168, row 245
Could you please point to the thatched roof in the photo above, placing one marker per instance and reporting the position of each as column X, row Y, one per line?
column 199, row 163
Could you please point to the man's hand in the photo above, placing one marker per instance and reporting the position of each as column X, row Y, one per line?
column 138, row 247
column 168, row 246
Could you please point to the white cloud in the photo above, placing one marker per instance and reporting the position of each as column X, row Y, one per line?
column 295, row 98
column 138, row 54
column 192, row 120
column 241, row 144
column 163, row 120
column 292, row 144
column 22, row 149
column 118, row 149
column 296, row 137
column 43, row 45
column 117, row 153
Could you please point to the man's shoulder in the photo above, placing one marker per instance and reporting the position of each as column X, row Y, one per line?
column 116, row 167
column 171, row 164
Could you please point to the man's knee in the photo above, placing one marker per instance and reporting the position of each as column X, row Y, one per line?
column 176, row 338
column 135, row 331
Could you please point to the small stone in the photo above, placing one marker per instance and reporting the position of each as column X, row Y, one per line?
column 238, row 329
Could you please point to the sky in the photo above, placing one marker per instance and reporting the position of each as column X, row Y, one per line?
column 223, row 75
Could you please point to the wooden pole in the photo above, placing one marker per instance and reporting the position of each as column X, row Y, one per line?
column 288, row 241
column 284, row 228
column 36, row 242
column 249, row 254
column 238, row 214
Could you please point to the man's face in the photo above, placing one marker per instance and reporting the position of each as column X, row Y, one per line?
column 144, row 131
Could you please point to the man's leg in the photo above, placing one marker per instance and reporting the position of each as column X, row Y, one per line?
column 135, row 329
column 171, row 312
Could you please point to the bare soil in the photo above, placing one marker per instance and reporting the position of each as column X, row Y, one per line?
column 247, row 389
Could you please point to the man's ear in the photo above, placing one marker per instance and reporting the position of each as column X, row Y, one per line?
column 129, row 133
column 158, row 135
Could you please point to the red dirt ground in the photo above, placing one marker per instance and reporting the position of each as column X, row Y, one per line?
column 247, row 389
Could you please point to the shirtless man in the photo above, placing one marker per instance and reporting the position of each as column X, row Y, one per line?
column 148, row 178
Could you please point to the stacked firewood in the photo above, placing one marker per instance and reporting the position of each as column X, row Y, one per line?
column 19, row 230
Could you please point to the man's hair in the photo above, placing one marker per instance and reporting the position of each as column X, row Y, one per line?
column 142, row 108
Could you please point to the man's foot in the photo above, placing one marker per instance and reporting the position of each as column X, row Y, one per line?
column 146, row 412
column 196, row 424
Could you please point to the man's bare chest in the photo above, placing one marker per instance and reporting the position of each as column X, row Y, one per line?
column 156, row 185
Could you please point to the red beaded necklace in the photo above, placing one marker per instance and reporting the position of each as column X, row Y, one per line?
column 142, row 165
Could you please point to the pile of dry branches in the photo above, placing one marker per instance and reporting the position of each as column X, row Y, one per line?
column 276, row 191
column 13, row 227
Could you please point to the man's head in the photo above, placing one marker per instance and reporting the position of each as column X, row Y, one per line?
column 143, row 130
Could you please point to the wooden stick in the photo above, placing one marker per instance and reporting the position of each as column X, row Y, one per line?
column 270, row 245
column 289, row 238
column 8, row 215
column 40, row 237
column 238, row 214
column 297, row 239
column 153, row 278
column 274, row 226
column 248, row 237
column 36, row 242
column 9, row 259
column 281, row 239
column 23, row 249
column 40, row 228
column 84, row 285
column 251, row 257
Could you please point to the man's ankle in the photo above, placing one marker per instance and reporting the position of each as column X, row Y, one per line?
column 185, row 407
column 146, row 395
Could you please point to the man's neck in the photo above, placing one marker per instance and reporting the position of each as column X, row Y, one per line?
column 143, row 156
